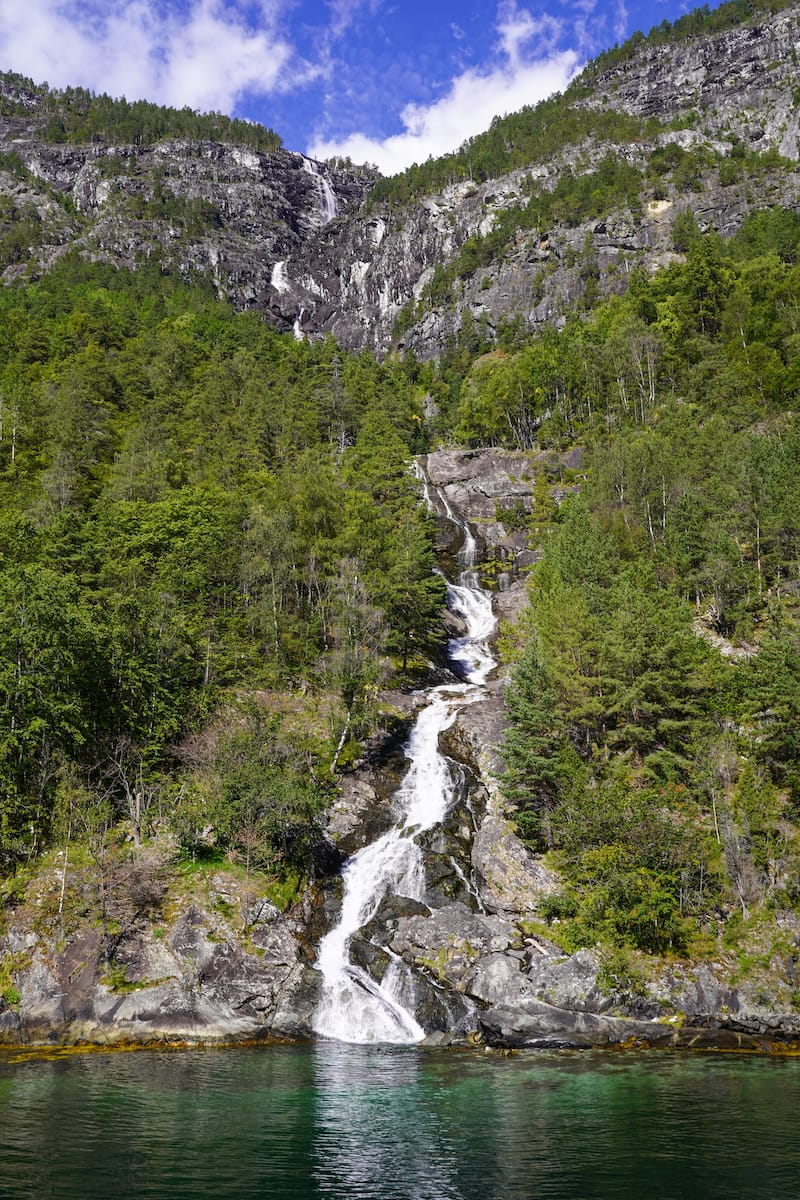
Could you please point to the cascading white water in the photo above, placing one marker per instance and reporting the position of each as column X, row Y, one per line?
column 353, row 1006
column 329, row 207
column 471, row 653
column 279, row 278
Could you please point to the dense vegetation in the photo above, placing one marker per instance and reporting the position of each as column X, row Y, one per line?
column 196, row 511
column 212, row 552
column 665, row 775
column 77, row 115
column 531, row 135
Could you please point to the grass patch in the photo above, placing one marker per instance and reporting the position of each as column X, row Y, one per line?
column 11, row 965
column 285, row 891
column 551, row 933
column 115, row 977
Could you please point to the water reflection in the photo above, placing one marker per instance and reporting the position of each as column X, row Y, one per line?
column 378, row 1129
column 376, row 1123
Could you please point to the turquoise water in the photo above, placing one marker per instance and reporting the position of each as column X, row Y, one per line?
column 395, row 1124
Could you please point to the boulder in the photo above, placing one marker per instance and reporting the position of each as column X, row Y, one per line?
column 568, row 981
column 448, row 942
column 391, row 910
column 512, row 881
column 532, row 1023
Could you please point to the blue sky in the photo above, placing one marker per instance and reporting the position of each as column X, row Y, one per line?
column 384, row 81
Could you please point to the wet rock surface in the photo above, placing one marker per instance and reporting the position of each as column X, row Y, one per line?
column 493, row 490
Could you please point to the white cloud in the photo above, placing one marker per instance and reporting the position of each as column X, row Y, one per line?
column 344, row 14
column 512, row 80
column 516, row 26
column 205, row 55
column 621, row 22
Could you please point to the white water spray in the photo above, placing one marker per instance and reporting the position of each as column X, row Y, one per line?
column 329, row 207
column 354, row 1007
column 279, row 278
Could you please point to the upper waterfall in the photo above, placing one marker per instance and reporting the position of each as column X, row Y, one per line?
column 329, row 207
column 279, row 278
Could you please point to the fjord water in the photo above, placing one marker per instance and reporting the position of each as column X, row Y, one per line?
column 396, row 1123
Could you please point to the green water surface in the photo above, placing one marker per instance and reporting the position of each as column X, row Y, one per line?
column 339, row 1121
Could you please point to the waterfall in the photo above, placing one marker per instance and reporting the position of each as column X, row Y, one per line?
column 354, row 1007
column 328, row 205
column 279, row 279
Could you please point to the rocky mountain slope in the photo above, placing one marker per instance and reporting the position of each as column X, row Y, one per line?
column 719, row 95
column 718, row 137
column 214, row 210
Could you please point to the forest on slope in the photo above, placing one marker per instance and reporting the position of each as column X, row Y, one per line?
column 655, row 702
column 77, row 116
column 195, row 510
column 214, row 558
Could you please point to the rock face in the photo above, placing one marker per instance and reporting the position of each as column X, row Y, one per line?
column 493, row 491
column 195, row 978
column 202, row 209
column 747, row 70
column 293, row 238
column 732, row 89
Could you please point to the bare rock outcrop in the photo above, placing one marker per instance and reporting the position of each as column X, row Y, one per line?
column 205, row 974
column 294, row 238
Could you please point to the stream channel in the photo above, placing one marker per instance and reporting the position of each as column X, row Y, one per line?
column 354, row 1007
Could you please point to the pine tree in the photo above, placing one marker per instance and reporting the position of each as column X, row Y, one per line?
column 533, row 776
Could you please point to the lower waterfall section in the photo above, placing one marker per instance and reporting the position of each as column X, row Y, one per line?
column 354, row 1006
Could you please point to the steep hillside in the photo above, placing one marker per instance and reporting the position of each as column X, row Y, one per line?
column 706, row 124
column 566, row 198
column 225, row 204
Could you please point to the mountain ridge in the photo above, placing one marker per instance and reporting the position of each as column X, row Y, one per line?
column 719, row 111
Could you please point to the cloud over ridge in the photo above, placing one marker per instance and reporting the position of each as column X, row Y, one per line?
column 468, row 107
column 517, row 75
column 247, row 56
column 206, row 54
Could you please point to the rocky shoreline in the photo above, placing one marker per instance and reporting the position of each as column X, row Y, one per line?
column 486, row 984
